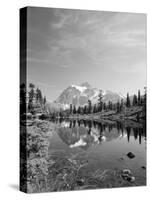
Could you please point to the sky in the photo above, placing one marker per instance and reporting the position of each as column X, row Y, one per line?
column 105, row 49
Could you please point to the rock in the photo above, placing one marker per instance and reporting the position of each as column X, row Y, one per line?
column 80, row 182
column 130, row 155
column 126, row 171
column 131, row 179
column 127, row 175
column 143, row 167
column 124, row 176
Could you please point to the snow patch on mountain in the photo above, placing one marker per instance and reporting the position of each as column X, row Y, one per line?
column 103, row 92
column 65, row 106
column 94, row 98
column 121, row 95
column 80, row 88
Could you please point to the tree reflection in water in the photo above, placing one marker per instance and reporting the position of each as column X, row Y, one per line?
column 108, row 129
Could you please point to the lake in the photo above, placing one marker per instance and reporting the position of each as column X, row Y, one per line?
column 103, row 145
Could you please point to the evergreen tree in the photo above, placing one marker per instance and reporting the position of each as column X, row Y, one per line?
column 128, row 100
column 44, row 100
column 31, row 96
column 95, row 109
column 89, row 106
column 104, row 106
column 118, row 107
column 121, row 105
column 40, row 96
column 74, row 110
column 100, row 103
column 85, row 110
column 135, row 100
column 110, row 106
column 37, row 95
column 71, row 109
column 139, row 98
column 60, row 114
column 31, row 86
column 79, row 110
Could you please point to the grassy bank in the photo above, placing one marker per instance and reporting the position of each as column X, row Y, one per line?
column 133, row 113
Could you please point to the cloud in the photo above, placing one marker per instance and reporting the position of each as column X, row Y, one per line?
column 38, row 83
column 94, row 34
column 64, row 66
column 88, row 40
column 136, row 68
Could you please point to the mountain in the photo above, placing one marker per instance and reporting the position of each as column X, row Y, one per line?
column 79, row 95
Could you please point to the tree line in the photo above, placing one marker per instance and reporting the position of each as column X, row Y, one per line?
column 31, row 99
column 138, row 100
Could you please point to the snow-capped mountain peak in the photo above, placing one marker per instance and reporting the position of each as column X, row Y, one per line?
column 79, row 95
column 86, row 84
column 80, row 88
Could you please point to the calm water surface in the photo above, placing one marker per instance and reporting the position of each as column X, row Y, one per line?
column 103, row 145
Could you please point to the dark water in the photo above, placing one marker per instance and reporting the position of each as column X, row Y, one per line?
column 103, row 145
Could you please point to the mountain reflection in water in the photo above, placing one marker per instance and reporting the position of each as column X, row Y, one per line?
column 85, row 133
column 103, row 144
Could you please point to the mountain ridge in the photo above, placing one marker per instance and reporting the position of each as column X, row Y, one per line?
column 78, row 95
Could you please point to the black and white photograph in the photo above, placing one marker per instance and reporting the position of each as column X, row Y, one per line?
column 83, row 91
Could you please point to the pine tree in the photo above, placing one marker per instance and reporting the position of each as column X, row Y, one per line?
column 44, row 100
column 104, row 106
column 110, row 106
column 31, row 95
column 139, row 98
column 79, row 110
column 74, row 110
column 40, row 97
column 37, row 95
column 71, row 109
column 85, row 110
column 94, row 108
column 31, row 86
column 135, row 100
column 100, row 103
column 89, row 106
column 128, row 100
column 121, row 105
column 118, row 107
